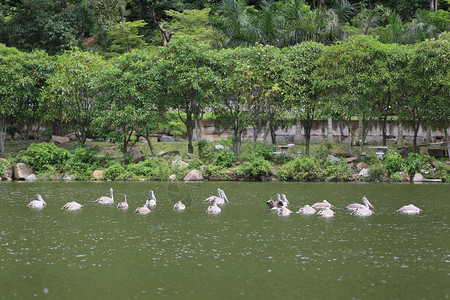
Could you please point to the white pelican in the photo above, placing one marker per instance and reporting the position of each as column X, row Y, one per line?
column 323, row 204
column 179, row 206
column 355, row 206
column 39, row 204
column 326, row 213
column 362, row 212
column 284, row 211
column 143, row 210
column 72, row 206
column 284, row 200
column 274, row 206
column 123, row 204
column 213, row 209
column 410, row 209
column 106, row 200
column 220, row 199
column 152, row 200
column 306, row 210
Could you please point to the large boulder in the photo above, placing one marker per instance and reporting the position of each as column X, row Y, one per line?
column 138, row 156
column 22, row 171
column 98, row 174
column 418, row 177
column 194, row 175
column 166, row 138
column 178, row 163
column 60, row 139
column 31, row 178
column 361, row 166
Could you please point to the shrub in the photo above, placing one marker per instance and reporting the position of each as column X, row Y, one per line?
column 256, row 168
column 443, row 171
column 377, row 171
column 42, row 156
column 258, row 149
column 2, row 169
column 223, row 158
column 307, row 168
column 413, row 164
column 85, row 155
column 114, row 171
column 397, row 176
column 393, row 162
column 339, row 171
column 144, row 168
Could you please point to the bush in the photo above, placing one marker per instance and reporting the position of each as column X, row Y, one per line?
column 114, row 171
column 393, row 162
column 2, row 169
column 144, row 168
column 258, row 149
column 339, row 171
column 377, row 172
column 413, row 164
column 307, row 168
column 443, row 171
column 43, row 156
column 256, row 168
column 223, row 158
column 397, row 176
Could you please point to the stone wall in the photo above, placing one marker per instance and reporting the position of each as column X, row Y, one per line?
column 295, row 134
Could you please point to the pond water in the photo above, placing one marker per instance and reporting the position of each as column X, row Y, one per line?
column 244, row 252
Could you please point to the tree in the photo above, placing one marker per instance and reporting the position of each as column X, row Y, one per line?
column 125, row 37
column 184, row 69
column 70, row 94
column 299, row 81
column 126, row 99
column 22, row 77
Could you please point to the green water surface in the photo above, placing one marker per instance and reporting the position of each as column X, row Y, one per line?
column 246, row 252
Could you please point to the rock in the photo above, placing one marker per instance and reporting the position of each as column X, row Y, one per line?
column 31, row 178
column 22, row 171
column 194, row 175
column 142, row 139
column 138, row 156
column 351, row 159
column 418, row 177
column 98, row 174
column 438, row 153
column 60, row 139
column 166, row 138
column 435, row 163
column 181, row 165
column 405, row 176
column 221, row 147
column 192, row 155
column 71, row 136
column 432, row 180
column 70, row 177
column 363, row 173
column 361, row 166
column 334, row 159
column 173, row 177
column 162, row 153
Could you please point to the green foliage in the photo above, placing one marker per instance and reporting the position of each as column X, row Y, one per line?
column 393, row 162
column 222, row 158
column 44, row 156
column 339, row 171
column 301, row 169
column 396, row 176
column 2, row 169
column 259, row 150
column 413, row 164
column 144, row 168
column 256, row 168
column 443, row 171
column 377, row 171
column 114, row 171
column 125, row 37
column 84, row 161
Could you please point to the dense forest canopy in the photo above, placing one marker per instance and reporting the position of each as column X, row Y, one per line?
column 58, row 25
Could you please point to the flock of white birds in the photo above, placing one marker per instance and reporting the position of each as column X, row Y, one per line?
column 322, row 209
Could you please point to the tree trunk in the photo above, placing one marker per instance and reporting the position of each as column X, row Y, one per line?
column 56, row 127
column 330, row 130
column 147, row 137
column 384, row 130
column 416, row 130
column 400, row 140
column 362, row 137
column 351, row 135
column 307, row 126
column 198, row 129
column 428, row 136
column 447, row 142
column 2, row 135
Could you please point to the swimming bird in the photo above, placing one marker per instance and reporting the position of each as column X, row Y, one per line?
column 152, row 200
column 179, row 206
column 284, row 211
column 362, row 212
column 72, row 206
column 220, row 199
column 410, row 209
column 284, row 200
column 326, row 213
column 323, row 204
column 123, row 204
column 106, row 200
column 306, row 210
column 143, row 210
column 39, row 204
column 354, row 206
column 213, row 209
